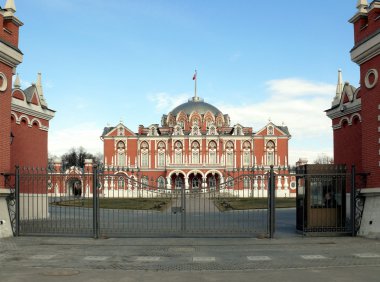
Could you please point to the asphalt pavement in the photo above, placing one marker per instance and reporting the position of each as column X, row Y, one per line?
column 287, row 257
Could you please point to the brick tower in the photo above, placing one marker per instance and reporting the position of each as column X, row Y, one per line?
column 10, row 57
column 355, row 112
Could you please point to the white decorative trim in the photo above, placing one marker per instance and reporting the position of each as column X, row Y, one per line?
column 4, row 82
column 370, row 191
column 32, row 110
column 10, row 56
column 370, row 72
column 367, row 50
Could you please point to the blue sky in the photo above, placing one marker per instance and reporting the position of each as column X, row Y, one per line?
column 133, row 60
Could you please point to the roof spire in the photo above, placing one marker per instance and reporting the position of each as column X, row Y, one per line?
column 40, row 90
column 10, row 5
column 17, row 83
column 362, row 6
column 339, row 88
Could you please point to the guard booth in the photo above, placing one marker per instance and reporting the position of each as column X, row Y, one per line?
column 321, row 199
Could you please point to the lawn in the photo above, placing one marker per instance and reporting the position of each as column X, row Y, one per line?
column 158, row 204
column 224, row 204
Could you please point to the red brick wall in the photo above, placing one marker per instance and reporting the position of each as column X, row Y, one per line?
column 348, row 145
column 370, row 135
column 30, row 145
column 5, row 128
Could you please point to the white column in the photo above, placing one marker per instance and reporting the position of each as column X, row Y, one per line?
column 286, row 183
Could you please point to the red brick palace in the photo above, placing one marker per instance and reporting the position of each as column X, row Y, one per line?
column 197, row 147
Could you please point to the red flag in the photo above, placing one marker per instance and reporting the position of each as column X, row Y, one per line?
column 195, row 76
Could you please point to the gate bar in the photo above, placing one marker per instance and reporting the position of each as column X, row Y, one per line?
column 271, row 201
column 95, row 204
column 17, row 199
column 353, row 201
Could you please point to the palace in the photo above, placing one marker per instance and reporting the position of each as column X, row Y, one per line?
column 197, row 147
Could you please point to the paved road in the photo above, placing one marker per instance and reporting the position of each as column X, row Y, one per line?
column 188, row 259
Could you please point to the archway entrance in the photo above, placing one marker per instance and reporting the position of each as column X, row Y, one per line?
column 74, row 187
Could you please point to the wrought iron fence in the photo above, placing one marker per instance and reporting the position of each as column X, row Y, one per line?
column 118, row 202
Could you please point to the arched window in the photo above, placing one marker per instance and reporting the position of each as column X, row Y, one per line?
column 161, row 182
column 212, row 152
column 246, row 182
column 195, row 183
column 120, row 131
column 178, row 182
column 212, row 182
column 181, row 123
column 121, row 153
column 195, row 152
column 145, row 182
column 246, row 154
column 230, row 182
column 270, row 130
column 270, row 148
column 121, row 182
column 144, row 154
column 230, row 153
column 178, row 152
column 161, row 154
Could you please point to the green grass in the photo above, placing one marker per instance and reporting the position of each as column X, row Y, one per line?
column 122, row 204
column 224, row 204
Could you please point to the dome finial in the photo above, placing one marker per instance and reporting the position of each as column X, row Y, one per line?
column 195, row 98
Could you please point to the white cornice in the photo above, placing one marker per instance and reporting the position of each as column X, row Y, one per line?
column 32, row 110
column 9, row 55
column 366, row 50
column 350, row 108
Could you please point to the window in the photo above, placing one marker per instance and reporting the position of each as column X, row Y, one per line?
column 246, row 154
column 144, row 154
column 270, row 148
column 325, row 193
column 161, row 182
column 212, row 182
column 195, row 153
column 161, row 154
column 270, row 130
column 195, row 183
column 212, row 152
column 121, row 182
column 230, row 182
column 120, row 131
column 145, row 182
column 229, row 153
column 181, row 123
column 178, row 152
column 121, row 153
column 178, row 182
column 246, row 182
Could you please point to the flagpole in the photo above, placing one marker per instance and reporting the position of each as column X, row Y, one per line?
column 195, row 86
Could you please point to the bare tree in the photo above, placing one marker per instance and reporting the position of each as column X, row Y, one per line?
column 77, row 156
column 324, row 159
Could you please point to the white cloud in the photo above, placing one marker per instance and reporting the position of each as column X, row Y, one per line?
column 87, row 135
column 165, row 102
column 300, row 105
column 294, row 87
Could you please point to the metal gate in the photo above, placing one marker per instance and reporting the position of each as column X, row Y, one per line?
column 117, row 203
